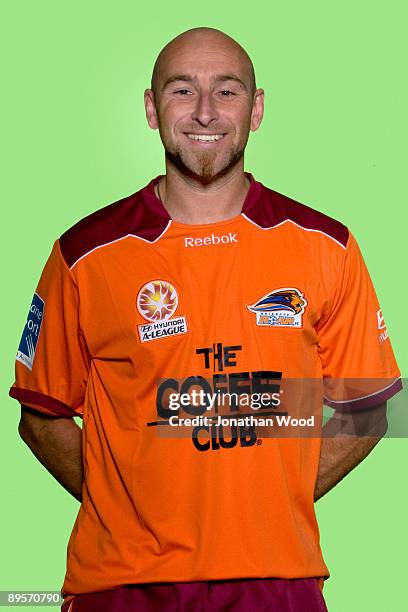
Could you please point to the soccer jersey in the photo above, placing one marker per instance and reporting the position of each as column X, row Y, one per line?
column 133, row 312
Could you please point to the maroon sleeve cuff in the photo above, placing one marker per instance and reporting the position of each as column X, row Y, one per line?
column 368, row 401
column 43, row 403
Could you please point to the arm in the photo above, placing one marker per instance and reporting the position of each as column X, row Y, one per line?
column 57, row 444
column 347, row 439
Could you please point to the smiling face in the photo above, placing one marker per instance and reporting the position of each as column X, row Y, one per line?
column 204, row 102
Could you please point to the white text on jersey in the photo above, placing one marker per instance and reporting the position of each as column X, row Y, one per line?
column 209, row 240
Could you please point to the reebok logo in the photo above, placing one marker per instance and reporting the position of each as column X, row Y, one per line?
column 209, row 240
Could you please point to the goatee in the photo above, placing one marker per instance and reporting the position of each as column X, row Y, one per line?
column 205, row 160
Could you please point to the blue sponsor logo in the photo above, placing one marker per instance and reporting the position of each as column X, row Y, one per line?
column 31, row 332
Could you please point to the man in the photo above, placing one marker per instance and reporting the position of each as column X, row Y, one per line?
column 204, row 281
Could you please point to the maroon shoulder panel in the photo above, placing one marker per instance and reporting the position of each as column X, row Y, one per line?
column 268, row 208
column 140, row 214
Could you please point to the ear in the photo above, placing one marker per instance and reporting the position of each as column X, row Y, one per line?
column 150, row 106
column 257, row 109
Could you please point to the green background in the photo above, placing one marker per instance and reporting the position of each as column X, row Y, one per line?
column 75, row 138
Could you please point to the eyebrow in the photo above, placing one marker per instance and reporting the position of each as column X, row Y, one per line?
column 219, row 78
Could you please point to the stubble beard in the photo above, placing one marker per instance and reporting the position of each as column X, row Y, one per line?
column 205, row 162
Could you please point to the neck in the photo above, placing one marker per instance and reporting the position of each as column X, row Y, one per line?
column 190, row 202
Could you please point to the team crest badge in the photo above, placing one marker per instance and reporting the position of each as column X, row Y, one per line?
column 280, row 308
column 157, row 302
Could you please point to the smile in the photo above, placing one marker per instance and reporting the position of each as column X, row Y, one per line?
column 205, row 137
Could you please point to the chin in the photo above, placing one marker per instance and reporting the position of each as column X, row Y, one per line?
column 208, row 170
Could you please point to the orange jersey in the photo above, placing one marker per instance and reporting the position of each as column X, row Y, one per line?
column 133, row 311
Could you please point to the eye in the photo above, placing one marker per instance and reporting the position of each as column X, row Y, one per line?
column 182, row 91
column 226, row 93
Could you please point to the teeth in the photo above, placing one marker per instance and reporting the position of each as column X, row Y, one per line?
column 205, row 137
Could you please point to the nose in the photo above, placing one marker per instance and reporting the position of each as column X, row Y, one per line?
column 205, row 109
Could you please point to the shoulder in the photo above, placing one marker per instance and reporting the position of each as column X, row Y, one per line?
column 272, row 209
column 130, row 215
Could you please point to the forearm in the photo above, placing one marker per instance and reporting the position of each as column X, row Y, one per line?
column 338, row 456
column 57, row 444
column 346, row 442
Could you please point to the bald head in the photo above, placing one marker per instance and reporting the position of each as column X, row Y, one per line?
column 201, row 41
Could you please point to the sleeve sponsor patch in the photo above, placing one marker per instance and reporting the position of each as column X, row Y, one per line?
column 31, row 332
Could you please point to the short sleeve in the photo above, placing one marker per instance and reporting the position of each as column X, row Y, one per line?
column 52, row 361
column 358, row 363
